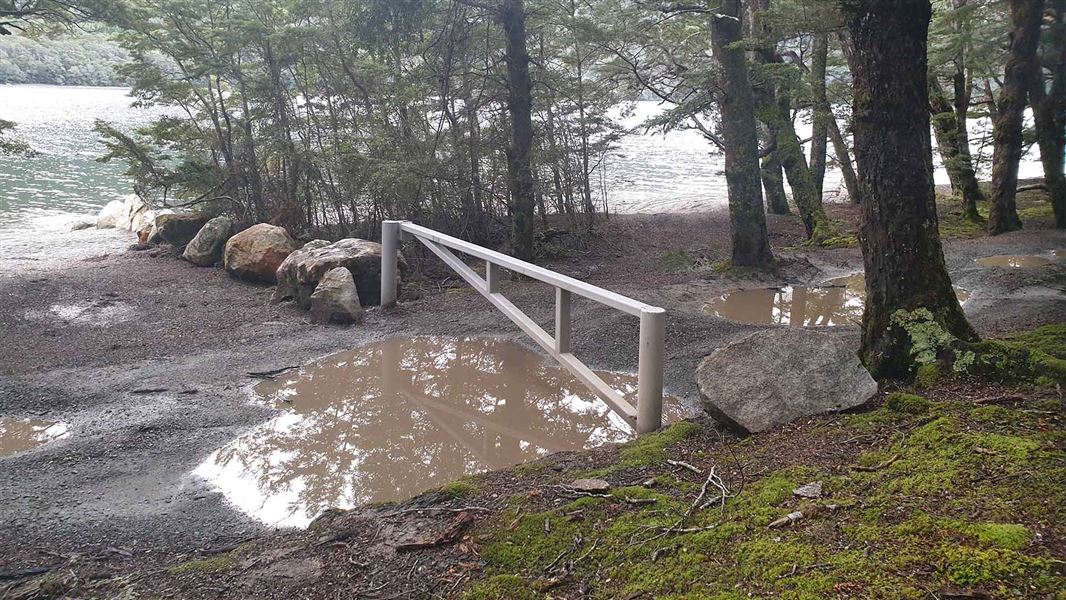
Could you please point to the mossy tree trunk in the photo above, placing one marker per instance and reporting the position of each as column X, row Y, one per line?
column 1049, row 112
column 1007, row 123
column 751, row 246
column 764, row 52
column 804, row 193
column 900, row 242
column 954, row 150
column 773, row 183
column 512, row 17
column 822, row 113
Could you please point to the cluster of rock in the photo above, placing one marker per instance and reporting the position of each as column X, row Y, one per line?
column 332, row 280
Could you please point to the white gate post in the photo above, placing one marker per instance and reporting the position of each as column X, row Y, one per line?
column 390, row 247
column 650, row 370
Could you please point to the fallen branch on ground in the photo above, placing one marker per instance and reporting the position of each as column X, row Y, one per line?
column 876, row 467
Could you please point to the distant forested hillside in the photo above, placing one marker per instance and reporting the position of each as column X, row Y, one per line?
column 82, row 58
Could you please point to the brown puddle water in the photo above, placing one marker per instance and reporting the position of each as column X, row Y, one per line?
column 839, row 302
column 389, row 420
column 19, row 435
column 1013, row 261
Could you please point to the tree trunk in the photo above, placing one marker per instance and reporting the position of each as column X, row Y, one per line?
column 512, row 17
column 751, row 247
column 900, row 242
column 1049, row 112
column 956, row 157
column 804, row 194
column 765, row 96
column 847, row 171
column 822, row 113
column 1007, row 124
column 773, row 182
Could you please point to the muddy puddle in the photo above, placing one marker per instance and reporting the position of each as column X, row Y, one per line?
column 20, row 435
column 839, row 302
column 395, row 418
column 1014, row 261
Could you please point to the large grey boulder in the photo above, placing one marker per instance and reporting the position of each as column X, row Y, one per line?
column 206, row 248
column 178, row 229
column 335, row 299
column 302, row 270
column 778, row 375
column 257, row 252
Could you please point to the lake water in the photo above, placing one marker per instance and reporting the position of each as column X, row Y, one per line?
column 41, row 196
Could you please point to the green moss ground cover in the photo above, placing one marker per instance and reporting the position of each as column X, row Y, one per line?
column 921, row 498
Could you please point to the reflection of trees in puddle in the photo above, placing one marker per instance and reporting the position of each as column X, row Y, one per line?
column 839, row 303
column 19, row 435
column 395, row 418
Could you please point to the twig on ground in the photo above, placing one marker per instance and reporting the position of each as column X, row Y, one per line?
column 684, row 465
column 876, row 467
column 272, row 373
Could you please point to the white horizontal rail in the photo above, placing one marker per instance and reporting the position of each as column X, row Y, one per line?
column 616, row 301
column 647, row 416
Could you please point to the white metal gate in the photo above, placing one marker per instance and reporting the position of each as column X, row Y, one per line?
column 647, row 416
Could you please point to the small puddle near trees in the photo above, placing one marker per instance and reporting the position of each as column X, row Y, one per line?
column 395, row 418
column 19, row 435
column 839, row 302
column 1014, row 261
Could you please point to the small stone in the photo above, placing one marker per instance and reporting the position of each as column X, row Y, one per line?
column 592, row 486
column 809, row 490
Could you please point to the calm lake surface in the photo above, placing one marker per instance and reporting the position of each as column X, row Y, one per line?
column 41, row 196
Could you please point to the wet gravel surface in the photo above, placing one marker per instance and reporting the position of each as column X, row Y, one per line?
column 150, row 368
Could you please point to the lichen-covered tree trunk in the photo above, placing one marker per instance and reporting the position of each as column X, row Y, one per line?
column 956, row 155
column 1049, row 112
column 847, row 170
column 773, row 183
column 764, row 51
column 804, row 194
column 751, row 246
column 512, row 17
column 822, row 112
column 1007, row 124
column 904, row 261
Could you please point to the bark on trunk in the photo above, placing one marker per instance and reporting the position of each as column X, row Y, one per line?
column 1049, row 112
column 512, row 17
column 822, row 113
column 847, row 171
column 900, row 242
column 956, row 155
column 773, row 179
column 773, row 183
column 804, row 194
column 1007, row 125
column 751, row 247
